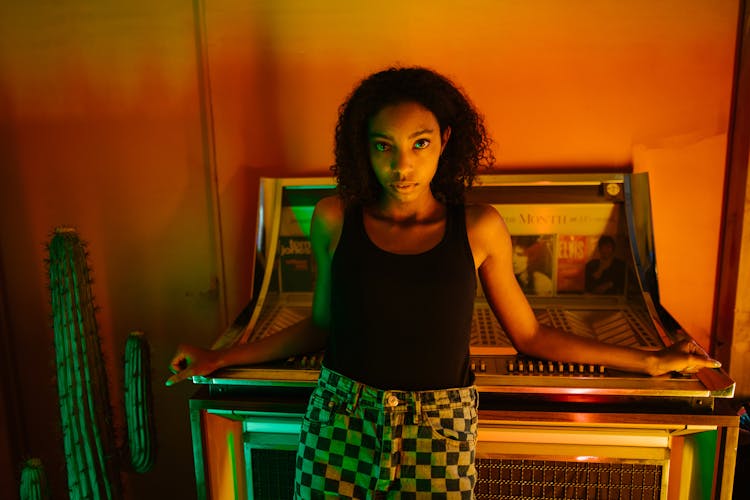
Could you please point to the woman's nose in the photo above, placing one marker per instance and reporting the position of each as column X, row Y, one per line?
column 402, row 162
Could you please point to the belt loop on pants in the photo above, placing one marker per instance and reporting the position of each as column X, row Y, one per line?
column 417, row 407
column 352, row 404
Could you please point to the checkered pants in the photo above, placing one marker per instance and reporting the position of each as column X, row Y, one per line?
column 366, row 443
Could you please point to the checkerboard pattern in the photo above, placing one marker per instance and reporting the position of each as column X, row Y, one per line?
column 358, row 442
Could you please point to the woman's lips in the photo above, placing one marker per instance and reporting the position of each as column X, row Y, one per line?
column 403, row 186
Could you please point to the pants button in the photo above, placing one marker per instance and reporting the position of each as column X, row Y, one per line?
column 392, row 400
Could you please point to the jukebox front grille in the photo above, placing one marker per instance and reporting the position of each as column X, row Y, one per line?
column 517, row 479
column 618, row 326
column 272, row 474
column 499, row 478
column 277, row 315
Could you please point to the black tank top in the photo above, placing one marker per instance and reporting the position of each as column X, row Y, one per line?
column 402, row 321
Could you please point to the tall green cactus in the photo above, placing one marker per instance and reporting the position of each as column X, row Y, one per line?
column 138, row 403
column 34, row 481
column 88, row 437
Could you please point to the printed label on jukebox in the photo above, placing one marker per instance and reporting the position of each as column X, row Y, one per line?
column 572, row 253
column 588, row 219
column 296, row 272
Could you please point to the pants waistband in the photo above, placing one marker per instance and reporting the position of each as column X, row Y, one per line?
column 358, row 393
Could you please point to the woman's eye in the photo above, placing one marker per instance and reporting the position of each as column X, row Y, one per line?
column 382, row 146
column 421, row 143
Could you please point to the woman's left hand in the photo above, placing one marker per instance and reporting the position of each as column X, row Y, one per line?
column 685, row 356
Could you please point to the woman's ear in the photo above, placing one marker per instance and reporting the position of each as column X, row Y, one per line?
column 445, row 136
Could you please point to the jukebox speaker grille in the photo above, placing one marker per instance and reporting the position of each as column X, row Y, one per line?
column 499, row 478
column 620, row 326
column 272, row 473
column 515, row 479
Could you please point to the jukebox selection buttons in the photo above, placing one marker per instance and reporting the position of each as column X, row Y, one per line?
column 481, row 366
column 306, row 362
column 520, row 365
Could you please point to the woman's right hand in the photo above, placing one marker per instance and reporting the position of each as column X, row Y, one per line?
column 189, row 361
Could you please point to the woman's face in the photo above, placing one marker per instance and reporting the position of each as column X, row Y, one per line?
column 405, row 145
column 606, row 250
column 520, row 259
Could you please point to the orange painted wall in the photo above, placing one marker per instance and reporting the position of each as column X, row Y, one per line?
column 561, row 84
column 102, row 129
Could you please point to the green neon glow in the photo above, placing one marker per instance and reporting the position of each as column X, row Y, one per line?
column 303, row 216
column 311, row 187
column 235, row 481
column 705, row 452
column 302, row 199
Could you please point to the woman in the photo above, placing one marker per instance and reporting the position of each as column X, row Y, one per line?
column 605, row 274
column 397, row 254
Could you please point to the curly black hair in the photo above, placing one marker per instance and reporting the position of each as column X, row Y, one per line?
column 466, row 152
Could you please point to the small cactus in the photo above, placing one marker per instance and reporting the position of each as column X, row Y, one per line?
column 33, row 481
column 88, row 437
column 138, row 403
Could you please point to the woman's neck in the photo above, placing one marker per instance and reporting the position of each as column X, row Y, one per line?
column 423, row 209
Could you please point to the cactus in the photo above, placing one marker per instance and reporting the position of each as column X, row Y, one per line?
column 138, row 403
column 33, row 481
column 88, row 437
column 90, row 452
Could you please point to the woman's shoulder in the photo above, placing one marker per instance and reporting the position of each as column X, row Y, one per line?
column 487, row 232
column 328, row 216
column 330, row 208
column 481, row 217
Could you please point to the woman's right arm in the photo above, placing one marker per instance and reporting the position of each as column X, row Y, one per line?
column 306, row 336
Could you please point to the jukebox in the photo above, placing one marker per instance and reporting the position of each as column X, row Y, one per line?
column 546, row 429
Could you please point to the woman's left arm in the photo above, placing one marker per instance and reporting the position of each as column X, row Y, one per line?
column 491, row 246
